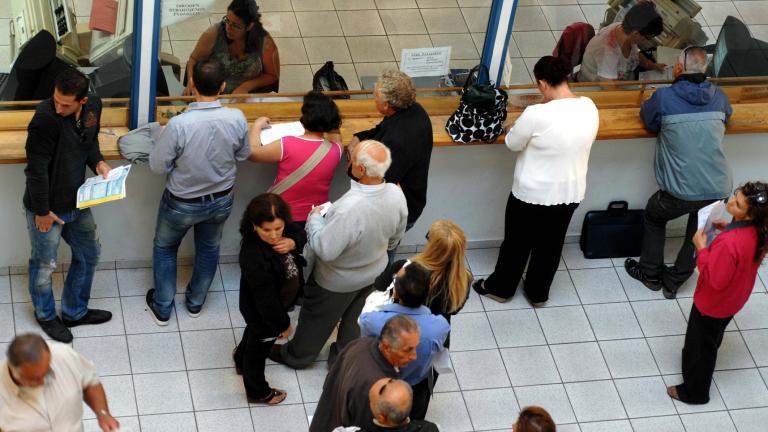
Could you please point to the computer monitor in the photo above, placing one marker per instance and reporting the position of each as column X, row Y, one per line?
column 737, row 53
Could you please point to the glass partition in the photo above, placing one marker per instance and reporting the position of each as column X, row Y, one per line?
column 361, row 38
column 39, row 38
column 731, row 31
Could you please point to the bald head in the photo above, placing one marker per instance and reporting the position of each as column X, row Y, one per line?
column 692, row 60
column 391, row 400
column 374, row 157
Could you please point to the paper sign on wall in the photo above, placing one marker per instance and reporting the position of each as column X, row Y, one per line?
column 176, row 11
column 420, row 62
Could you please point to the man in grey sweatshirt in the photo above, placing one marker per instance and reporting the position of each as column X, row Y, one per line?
column 350, row 245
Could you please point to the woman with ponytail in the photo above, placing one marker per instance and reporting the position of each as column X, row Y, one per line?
column 444, row 258
column 727, row 272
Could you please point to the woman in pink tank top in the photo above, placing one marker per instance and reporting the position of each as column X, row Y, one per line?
column 319, row 115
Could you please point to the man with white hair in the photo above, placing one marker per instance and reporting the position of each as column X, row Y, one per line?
column 350, row 245
column 691, row 168
column 407, row 130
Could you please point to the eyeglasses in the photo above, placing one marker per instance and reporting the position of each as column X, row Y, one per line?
column 235, row 26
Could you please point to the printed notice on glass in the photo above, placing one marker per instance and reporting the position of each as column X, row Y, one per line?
column 421, row 62
column 176, row 11
column 98, row 190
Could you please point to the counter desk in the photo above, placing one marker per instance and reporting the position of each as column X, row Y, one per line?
column 467, row 183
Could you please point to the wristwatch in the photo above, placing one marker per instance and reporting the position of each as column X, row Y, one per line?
column 103, row 413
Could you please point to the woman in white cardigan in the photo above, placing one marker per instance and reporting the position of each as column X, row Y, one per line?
column 553, row 140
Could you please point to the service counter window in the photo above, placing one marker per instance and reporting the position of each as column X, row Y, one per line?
column 40, row 38
column 732, row 32
column 361, row 37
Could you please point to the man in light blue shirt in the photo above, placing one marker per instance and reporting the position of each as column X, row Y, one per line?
column 409, row 294
column 198, row 150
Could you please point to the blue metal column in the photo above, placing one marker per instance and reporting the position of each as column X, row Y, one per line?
column 497, row 38
column 146, row 42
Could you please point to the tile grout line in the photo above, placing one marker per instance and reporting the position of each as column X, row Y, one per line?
column 128, row 352
column 602, row 355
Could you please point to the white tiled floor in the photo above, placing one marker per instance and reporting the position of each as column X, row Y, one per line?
column 598, row 357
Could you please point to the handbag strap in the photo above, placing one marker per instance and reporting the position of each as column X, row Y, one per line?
column 479, row 69
column 302, row 171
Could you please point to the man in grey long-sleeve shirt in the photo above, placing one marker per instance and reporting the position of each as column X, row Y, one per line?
column 350, row 245
column 199, row 151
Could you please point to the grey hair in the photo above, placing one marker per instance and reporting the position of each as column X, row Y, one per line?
column 396, row 89
column 394, row 412
column 693, row 59
column 26, row 349
column 373, row 168
column 395, row 327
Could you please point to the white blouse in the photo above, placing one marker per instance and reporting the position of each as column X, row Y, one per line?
column 554, row 140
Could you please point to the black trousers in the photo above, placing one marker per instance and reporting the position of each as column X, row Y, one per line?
column 660, row 209
column 422, row 393
column 535, row 231
column 250, row 357
column 702, row 340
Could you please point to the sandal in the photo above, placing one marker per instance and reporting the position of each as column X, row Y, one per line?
column 479, row 287
column 234, row 359
column 672, row 392
column 274, row 397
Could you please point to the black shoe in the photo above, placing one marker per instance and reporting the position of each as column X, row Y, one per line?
column 669, row 293
column 150, row 300
column 194, row 312
column 56, row 330
column 633, row 269
column 480, row 289
column 93, row 316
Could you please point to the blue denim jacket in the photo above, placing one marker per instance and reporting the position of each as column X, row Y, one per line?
column 434, row 330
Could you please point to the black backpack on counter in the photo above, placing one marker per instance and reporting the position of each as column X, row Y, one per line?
column 327, row 79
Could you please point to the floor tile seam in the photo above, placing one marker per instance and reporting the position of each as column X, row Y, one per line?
column 130, row 364
column 503, row 363
column 552, row 356
column 602, row 355
column 186, row 367
column 749, row 350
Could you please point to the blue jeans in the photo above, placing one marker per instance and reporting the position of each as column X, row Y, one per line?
column 174, row 219
column 79, row 231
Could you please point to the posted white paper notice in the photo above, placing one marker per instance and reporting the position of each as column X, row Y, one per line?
column 279, row 130
column 420, row 62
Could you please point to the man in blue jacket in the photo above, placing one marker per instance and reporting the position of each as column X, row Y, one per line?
column 411, row 287
column 690, row 166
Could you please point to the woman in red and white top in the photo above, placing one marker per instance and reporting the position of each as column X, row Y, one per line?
column 727, row 272
column 319, row 116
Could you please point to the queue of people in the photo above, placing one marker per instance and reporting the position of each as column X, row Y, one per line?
column 382, row 363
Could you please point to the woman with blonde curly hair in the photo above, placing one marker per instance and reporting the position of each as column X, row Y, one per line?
column 443, row 258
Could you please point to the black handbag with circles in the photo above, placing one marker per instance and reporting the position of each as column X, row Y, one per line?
column 481, row 112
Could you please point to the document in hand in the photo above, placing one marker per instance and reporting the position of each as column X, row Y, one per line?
column 708, row 215
column 98, row 190
column 279, row 130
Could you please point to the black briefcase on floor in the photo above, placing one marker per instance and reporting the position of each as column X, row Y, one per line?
column 612, row 233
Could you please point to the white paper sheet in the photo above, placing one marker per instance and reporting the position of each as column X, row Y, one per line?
column 707, row 216
column 98, row 190
column 279, row 130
